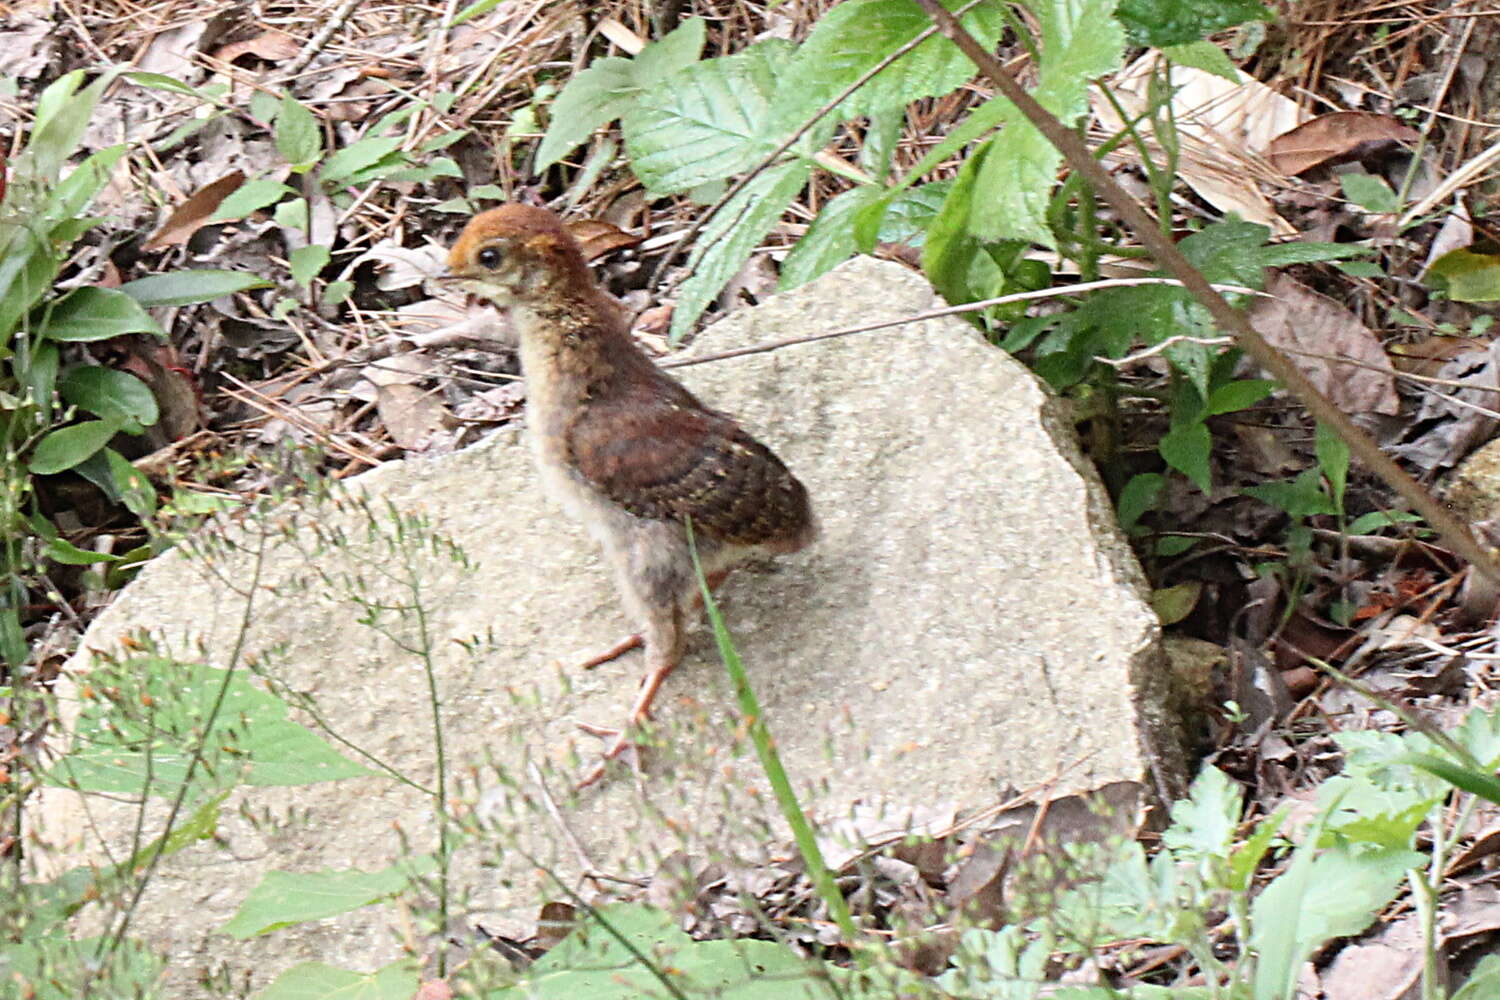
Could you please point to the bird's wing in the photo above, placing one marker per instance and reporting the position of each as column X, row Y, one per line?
column 670, row 459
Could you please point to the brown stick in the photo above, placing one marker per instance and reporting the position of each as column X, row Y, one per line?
column 1454, row 532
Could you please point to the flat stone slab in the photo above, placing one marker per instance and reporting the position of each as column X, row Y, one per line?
column 970, row 622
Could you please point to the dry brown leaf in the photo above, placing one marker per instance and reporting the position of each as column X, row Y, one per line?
column 1222, row 128
column 190, row 216
column 1337, row 353
column 413, row 415
column 1387, row 968
column 272, row 46
column 598, row 238
column 1337, row 137
column 1427, row 357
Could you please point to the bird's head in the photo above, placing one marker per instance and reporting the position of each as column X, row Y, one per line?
column 517, row 255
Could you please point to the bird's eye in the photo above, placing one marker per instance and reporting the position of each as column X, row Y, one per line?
column 489, row 258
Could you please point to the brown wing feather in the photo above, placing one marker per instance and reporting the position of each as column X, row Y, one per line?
column 670, row 459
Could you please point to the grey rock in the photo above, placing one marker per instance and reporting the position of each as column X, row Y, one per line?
column 969, row 623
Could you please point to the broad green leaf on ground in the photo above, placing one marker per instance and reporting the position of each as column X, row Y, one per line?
column 592, row 962
column 307, row 261
column 1484, row 981
column 1204, row 823
column 185, row 288
column 65, row 447
column 345, row 164
column 830, row 240
column 709, row 120
column 298, row 138
column 141, row 741
column 108, row 393
column 252, row 196
column 1080, row 40
column 610, row 86
column 1336, row 894
column 854, row 36
column 317, row 981
column 285, row 898
column 1467, row 276
column 1174, row 22
column 91, row 313
column 728, row 239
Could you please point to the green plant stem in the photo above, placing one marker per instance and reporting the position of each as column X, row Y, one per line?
column 770, row 761
column 1148, row 231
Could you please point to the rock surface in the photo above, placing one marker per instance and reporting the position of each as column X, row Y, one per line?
column 969, row 623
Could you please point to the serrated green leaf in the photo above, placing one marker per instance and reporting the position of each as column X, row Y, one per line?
column 830, row 240
column 282, row 899
column 1160, row 23
column 677, row 50
column 728, row 239
column 306, row 262
column 1204, row 55
column 318, row 981
column 1204, row 823
column 108, row 393
column 600, row 94
column 855, row 35
column 1080, row 40
column 185, row 288
column 298, row 138
column 709, row 120
column 252, row 196
column 90, row 313
column 65, row 447
column 1335, row 894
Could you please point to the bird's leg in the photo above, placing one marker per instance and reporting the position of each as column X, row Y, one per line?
column 663, row 642
column 635, row 639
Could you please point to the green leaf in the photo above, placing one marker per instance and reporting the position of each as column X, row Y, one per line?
column 91, row 313
column 855, row 35
column 1483, row 982
column 185, row 288
column 1160, row 23
column 251, row 740
column 366, row 153
column 1300, row 497
column 592, row 962
column 709, row 120
column 1204, row 823
column 1467, row 276
column 1368, row 524
column 950, row 254
column 598, row 95
column 1241, row 394
column 252, row 196
column 1476, row 782
column 1186, row 449
column 1246, row 857
column 108, row 393
column 1370, row 193
column 317, row 981
column 62, row 114
column 298, row 138
column 1139, row 495
column 282, row 899
column 134, row 489
column 67, row 446
column 1080, row 40
column 830, row 240
column 172, row 85
column 1337, row 894
column 292, row 214
column 1206, row 56
column 307, row 261
column 728, row 239
column 1333, row 460
column 678, row 50
column 60, row 550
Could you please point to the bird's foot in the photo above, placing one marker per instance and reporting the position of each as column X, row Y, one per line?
column 620, row 744
column 619, row 649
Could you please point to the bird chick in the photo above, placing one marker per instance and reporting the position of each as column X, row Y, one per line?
column 624, row 447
